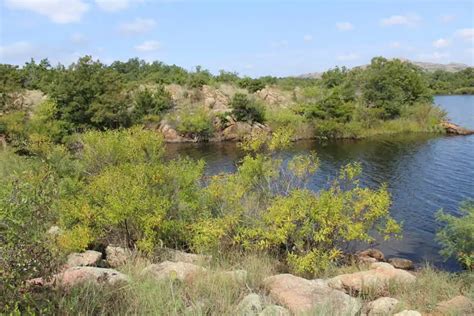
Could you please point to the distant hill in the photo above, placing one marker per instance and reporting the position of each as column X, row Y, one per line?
column 451, row 67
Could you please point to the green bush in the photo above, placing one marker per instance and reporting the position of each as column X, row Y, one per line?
column 247, row 110
column 195, row 123
column 252, row 85
column 151, row 102
column 457, row 235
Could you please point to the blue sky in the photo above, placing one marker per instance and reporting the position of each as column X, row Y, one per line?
column 250, row 37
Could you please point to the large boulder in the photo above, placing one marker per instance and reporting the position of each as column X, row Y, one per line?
column 274, row 310
column 75, row 275
column 304, row 296
column 250, row 305
column 377, row 278
column 182, row 271
column 401, row 263
column 171, row 135
column 459, row 305
column 381, row 306
column 86, row 258
column 117, row 256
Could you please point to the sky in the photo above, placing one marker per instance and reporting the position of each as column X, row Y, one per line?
column 255, row 38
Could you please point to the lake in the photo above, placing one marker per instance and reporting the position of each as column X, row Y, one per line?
column 424, row 173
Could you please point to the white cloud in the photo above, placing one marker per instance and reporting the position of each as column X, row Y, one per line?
column 78, row 38
column 138, row 26
column 447, row 18
column 406, row 20
column 58, row 11
column 344, row 26
column 18, row 51
column 348, row 57
column 308, row 38
column 148, row 46
column 435, row 56
column 112, row 5
column 440, row 43
column 466, row 34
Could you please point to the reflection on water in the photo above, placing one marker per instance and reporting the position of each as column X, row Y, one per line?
column 423, row 172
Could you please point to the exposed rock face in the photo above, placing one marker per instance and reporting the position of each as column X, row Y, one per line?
column 76, row 275
column 250, row 305
column 459, row 305
column 454, row 129
column 181, row 256
column 214, row 99
column 381, row 306
column 274, row 310
column 401, row 263
column 171, row 135
column 377, row 278
column 301, row 295
column 273, row 96
column 176, row 91
column 117, row 256
column 237, row 130
column 408, row 313
column 182, row 271
column 86, row 258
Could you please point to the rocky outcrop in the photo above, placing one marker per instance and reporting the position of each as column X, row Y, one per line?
column 236, row 131
column 377, row 278
column 86, row 258
column 401, row 263
column 273, row 96
column 301, row 295
column 454, row 129
column 381, row 306
column 171, row 135
column 250, row 305
column 215, row 100
column 459, row 305
column 182, row 271
column 117, row 256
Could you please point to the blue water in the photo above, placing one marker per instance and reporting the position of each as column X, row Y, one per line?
column 424, row 173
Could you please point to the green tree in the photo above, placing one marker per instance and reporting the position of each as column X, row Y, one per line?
column 392, row 85
column 151, row 102
column 247, row 110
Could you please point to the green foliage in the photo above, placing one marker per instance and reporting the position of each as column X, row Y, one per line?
column 194, row 123
column 252, row 85
column 457, row 235
column 334, row 77
column 392, row 85
column 199, row 78
column 151, row 102
column 26, row 212
column 246, row 110
column 444, row 82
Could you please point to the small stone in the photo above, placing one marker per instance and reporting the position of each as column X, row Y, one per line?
column 459, row 304
column 54, row 231
column 408, row 313
column 401, row 263
column 274, row 310
column 182, row 271
column 86, row 258
column 381, row 306
column 250, row 305
column 117, row 256
column 371, row 253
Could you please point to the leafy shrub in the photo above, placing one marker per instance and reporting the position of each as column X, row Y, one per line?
column 26, row 213
column 457, row 236
column 148, row 102
column 196, row 123
column 247, row 110
column 252, row 85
